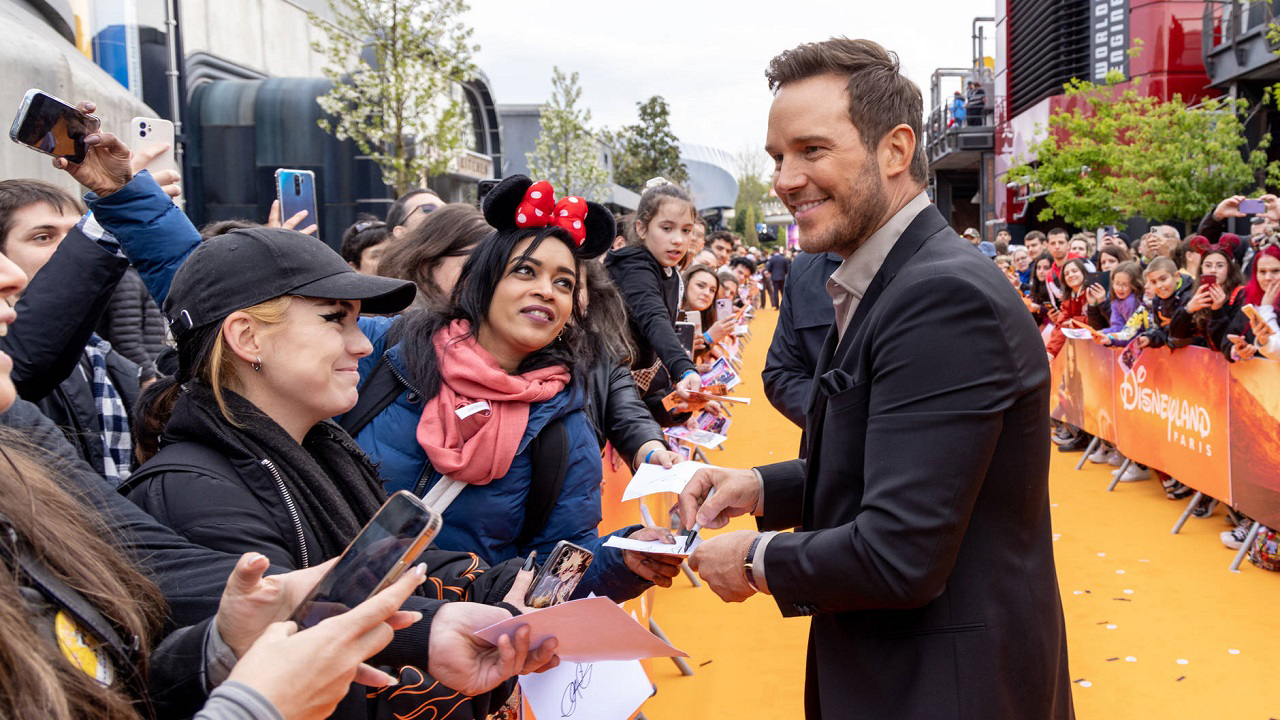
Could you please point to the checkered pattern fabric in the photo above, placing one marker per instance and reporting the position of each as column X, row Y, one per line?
column 117, row 444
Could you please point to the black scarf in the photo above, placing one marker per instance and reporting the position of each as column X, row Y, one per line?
column 331, row 480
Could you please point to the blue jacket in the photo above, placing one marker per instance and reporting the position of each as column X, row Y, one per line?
column 155, row 234
column 485, row 519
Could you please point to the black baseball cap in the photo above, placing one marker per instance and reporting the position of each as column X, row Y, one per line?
column 252, row 265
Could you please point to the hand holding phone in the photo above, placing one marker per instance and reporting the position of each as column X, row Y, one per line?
column 724, row 308
column 1252, row 206
column 296, row 194
column 684, row 331
column 391, row 541
column 556, row 580
column 52, row 126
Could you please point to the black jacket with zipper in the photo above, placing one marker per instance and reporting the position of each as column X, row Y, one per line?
column 652, row 298
column 617, row 412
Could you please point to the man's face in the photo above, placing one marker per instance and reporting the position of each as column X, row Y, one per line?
column 973, row 239
column 1035, row 246
column 742, row 273
column 697, row 239
column 1170, row 237
column 822, row 170
column 1004, row 237
column 723, row 249
column 1058, row 247
column 36, row 232
column 369, row 258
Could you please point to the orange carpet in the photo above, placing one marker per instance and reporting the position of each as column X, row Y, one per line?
column 1158, row 628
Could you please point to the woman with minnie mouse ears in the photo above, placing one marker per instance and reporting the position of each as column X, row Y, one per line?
column 489, row 421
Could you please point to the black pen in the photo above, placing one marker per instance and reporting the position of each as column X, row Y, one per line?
column 528, row 563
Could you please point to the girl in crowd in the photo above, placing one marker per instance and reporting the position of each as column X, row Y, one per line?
column 1188, row 254
column 1072, row 310
column 645, row 273
column 1263, row 293
column 1123, row 302
column 729, row 287
column 519, row 466
column 1215, row 304
column 1111, row 256
column 1079, row 247
column 1038, row 290
column 701, row 288
column 78, row 622
column 431, row 254
column 268, row 346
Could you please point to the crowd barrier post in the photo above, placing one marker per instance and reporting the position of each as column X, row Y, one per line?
column 1093, row 445
column 1195, row 500
column 1252, row 537
column 680, row 662
column 1116, row 480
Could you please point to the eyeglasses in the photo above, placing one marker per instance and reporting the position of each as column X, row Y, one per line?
column 428, row 208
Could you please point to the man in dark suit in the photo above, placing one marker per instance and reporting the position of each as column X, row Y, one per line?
column 803, row 323
column 776, row 267
column 922, row 547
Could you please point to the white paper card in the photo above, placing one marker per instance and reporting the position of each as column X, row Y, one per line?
column 655, row 547
column 591, row 691
column 650, row 479
column 1077, row 333
column 588, row 630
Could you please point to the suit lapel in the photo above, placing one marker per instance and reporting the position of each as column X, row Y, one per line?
column 924, row 226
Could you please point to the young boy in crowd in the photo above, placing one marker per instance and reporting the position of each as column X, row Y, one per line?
column 1172, row 290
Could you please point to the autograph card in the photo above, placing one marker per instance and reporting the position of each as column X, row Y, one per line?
column 712, row 423
column 1077, row 333
column 592, row 691
column 1128, row 357
column 649, row 479
column 589, row 630
column 721, row 373
column 654, row 547
column 702, row 438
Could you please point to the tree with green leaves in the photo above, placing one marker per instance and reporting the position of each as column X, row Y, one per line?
column 648, row 149
column 1114, row 153
column 566, row 154
column 396, row 66
column 753, row 190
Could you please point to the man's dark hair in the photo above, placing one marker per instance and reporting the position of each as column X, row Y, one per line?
column 452, row 231
column 880, row 96
column 724, row 235
column 1060, row 231
column 222, row 227
column 18, row 194
column 745, row 262
column 1034, row 235
column 366, row 233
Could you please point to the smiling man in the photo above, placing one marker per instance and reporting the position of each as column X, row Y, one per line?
column 922, row 545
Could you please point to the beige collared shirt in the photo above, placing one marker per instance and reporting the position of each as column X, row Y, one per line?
column 850, row 281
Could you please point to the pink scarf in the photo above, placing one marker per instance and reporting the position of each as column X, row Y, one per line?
column 479, row 448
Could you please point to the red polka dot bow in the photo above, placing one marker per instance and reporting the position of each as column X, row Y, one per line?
column 539, row 209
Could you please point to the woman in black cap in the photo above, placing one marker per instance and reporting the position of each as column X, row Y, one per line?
column 265, row 323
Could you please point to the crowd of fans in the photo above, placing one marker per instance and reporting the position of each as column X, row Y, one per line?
column 205, row 417
column 1213, row 289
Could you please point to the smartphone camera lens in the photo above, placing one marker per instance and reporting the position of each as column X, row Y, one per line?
column 297, row 185
column 142, row 133
column 142, row 125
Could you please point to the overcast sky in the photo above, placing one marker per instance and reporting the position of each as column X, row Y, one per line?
column 706, row 57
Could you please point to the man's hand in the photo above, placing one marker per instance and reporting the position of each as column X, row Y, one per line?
column 472, row 666
column 719, row 562
column 106, row 167
column 657, row 569
column 1272, row 205
column 1228, row 208
column 737, row 492
column 168, row 180
column 251, row 602
column 334, row 650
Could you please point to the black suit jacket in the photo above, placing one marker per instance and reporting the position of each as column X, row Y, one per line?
column 924, row 549
column 803, row 323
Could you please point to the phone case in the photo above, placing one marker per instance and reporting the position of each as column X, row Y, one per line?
column 146, row 133
column 92, row 124
column 296, row 191
column 556, row 580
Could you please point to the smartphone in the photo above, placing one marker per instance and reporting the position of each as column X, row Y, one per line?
column 1102, row 278
column 1251, row 206
column 52, row 126
column 387, row 546
column 694, row 317
column 1251, row 312
column 724, row 308
column 296, row 191
column 684, row 331
column 147, row 133
column 559, row 575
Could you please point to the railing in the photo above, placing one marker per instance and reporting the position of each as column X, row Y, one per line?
column 1227, row 22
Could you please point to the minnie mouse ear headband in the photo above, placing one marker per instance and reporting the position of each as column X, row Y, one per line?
column 520, row 203
column 1227, row 244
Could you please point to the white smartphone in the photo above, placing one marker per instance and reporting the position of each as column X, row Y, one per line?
column 146, row 133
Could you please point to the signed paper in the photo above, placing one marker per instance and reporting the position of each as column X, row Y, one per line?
column 703, row 438
column 654, row 547
column 650, row 479
column 1077, row 333
column 721, row 373
column 592, row 691
column 588, row 630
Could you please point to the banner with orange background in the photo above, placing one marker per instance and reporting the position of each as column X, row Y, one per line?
column 1172, row 414
column 1082, row 388
column 1254, row 396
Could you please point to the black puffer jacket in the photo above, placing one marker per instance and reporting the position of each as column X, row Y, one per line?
column 652, row 298
column 132, row 323
column 617, row 412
